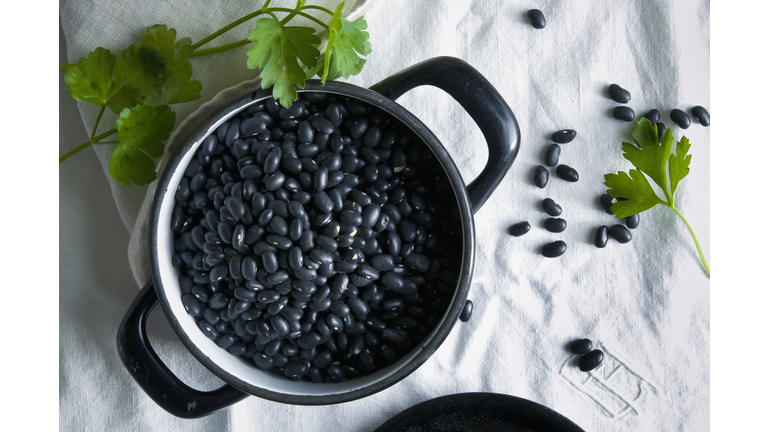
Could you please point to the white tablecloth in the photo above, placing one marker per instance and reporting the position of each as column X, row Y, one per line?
column 645, row 303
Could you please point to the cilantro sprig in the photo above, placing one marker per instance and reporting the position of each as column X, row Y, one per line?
column 140, row 83
column 653, row 158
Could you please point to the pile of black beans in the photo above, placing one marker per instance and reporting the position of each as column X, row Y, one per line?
column 322, row 241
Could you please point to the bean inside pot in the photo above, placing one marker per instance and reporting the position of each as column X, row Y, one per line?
column 321, row 242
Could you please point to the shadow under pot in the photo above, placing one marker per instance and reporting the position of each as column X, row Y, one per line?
column 315, row 254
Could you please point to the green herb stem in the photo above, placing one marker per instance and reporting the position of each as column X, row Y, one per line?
column 98, row 119
column 94, row 140
column 262, row 11
column 228, row 28
column 701, row 255
column 320, row 8
column 294, row 12
column 202, row 52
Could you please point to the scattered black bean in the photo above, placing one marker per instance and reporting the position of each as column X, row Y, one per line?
column 519, row 229
column 551, row 207
column 632, row 221
column 618, row 94
column 590, row 360
column 552, row 155
column 554, row 249
column 316, row 254
column 567, row 173
column 466, row 312
column 680, row 118
column 555, row 225
column 564, row 136
column 540, row 176
column 620, row 233
column 537, row 19
column 580, row 346
column 660, row 128
column 623, row 113
column 606, row 201
column 601, row 236
column 653, row 116
column 700, row 113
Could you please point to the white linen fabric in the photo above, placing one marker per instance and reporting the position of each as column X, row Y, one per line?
column 644, row 303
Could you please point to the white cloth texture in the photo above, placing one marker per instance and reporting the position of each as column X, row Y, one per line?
column 644, row 303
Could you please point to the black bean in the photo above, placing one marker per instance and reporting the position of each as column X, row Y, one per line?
column 580, row 346
column 623, row 113
column 680, row 118
column 192, row 305
column 632, row 221
column 567, row 173
column 601, row 236
column 309, row 340
column 618, row 94
column 564, row 136
column 700, row 113
column 554, row 249
column 590, row 360
column 620, row 233
column 552, row 155
column 606, row 201
column 537, row 19
column 540, row 176
column 519, row 229
column 551, row 207
column 466, row 312
column 555, row 225
column 653, row 115
column 660, row 128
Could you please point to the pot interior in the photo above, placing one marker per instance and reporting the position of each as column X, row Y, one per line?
column 241, row 372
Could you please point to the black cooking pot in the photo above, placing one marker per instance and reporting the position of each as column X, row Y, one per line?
column 499, row 126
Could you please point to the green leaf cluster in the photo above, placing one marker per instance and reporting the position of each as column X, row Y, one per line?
column 346, row 42
column 652, row 157
column 157, row 68
column 140, row 82
column 283, row 52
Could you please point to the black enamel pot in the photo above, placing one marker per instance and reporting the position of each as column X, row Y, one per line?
column 500, row 129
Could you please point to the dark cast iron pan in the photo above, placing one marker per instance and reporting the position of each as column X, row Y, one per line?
column 501, row 131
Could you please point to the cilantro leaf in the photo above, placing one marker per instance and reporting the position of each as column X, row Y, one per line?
column 634, row 187
column 277, row 51
column 142, row 132
column 91, row 80
column 177, row 84
column 678, row 163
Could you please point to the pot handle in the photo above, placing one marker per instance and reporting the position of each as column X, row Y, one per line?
column 153, row 376
column 481, row 101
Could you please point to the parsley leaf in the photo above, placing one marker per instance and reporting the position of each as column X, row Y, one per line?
column 350, row 41
column 177, row 85
column 678, row 163
column 652, row 158
column 136, row 77
column 635, row 186
column 91, row 80
column 122, row 82
column 345, row 41
column 277, row 51
column 142, row 132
